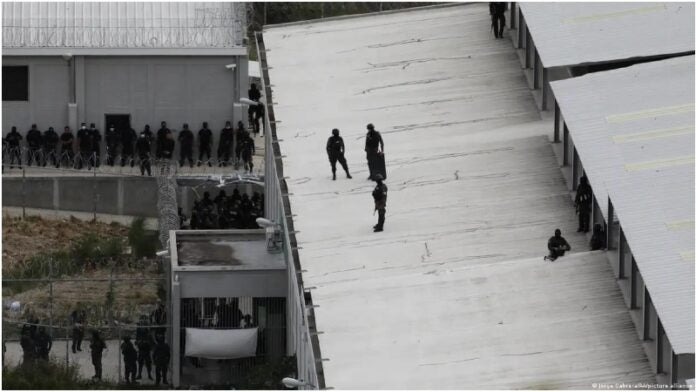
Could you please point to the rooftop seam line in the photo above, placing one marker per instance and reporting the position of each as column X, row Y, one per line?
column 659, row 163
column 653, row 134
column 609, row 15
column 681, row 224
column 663, row 111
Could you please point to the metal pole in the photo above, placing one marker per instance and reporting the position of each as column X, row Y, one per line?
column 118, row 343
column 94, row 191
column 24, row 192
column 50, row 296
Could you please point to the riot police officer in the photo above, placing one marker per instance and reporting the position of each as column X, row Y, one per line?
column 186, row 142
column 336, row 149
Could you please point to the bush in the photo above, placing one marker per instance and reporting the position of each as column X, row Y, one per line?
column 142, row 242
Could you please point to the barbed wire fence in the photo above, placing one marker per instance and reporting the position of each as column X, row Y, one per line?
column 166, row 200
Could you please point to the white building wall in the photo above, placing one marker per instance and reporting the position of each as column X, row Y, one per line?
column 49, row 81
column 175, row 89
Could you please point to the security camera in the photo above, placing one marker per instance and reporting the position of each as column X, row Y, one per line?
column 263, row 222
column 67, row 56
column 292, row 383
column 231, row 66
column 162, row 253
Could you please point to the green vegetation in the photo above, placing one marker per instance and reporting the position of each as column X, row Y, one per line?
column 48, row 375
column 142, row 242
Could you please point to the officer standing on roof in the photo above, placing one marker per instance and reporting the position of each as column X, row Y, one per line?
column 373, row 147
column 128, row 136
column 142, row 147
column 66, row 143
column 336, row 149
column 497, row 11
column 161, row 139
column 583, row 204
column 95, row 138
column 380, row 196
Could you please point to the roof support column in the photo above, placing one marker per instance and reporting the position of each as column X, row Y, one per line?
column 527, row 48
column 544, row 86
column 610, row 224
column 536, row 73
column 513, row 15
column 520, row 29
column 658, row 348
column 575, row 168
column 556, row 123
column 634, row 284
column 622, row 254
column 176, row 332
column 646, row 314
column 565, row 144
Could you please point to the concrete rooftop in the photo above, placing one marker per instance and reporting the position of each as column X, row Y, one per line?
column 454, row 293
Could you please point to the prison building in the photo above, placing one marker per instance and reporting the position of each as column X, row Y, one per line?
column 126, row 64
column 631, row 132
column 560, row 40
column 454, row 293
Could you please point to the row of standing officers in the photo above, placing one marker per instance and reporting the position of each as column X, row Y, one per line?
column 43, row 147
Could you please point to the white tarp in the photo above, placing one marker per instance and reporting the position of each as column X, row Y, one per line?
column 221, row 343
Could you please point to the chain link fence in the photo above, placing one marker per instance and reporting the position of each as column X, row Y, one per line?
column 116, row 297
column 43, row 161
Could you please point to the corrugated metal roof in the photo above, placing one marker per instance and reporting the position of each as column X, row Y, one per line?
column 579, row 33
column 122, row 24
column 634, row 132
column 454, row 293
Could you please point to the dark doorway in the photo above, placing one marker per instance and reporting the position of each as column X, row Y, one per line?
column 119, row 121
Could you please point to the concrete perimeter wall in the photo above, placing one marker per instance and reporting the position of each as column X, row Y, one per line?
column 131, row 196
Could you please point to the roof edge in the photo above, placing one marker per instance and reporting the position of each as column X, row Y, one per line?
column 379, row 13
column 236, row 51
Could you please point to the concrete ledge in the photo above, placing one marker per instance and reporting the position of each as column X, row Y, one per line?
column 15, row 212
column 352, row 16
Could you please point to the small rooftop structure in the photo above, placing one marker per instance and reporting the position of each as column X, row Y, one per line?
column 223, row 283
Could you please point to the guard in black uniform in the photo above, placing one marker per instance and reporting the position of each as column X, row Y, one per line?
column 130, row 358
column 168, row 147
column 497, row 11
column 66, row 147
column 225, row 144
column 248, row 150
column 95, row 141
column 112, row 140
column 128, row 137
column 161, row 138
column 557, row 246
column 186, row 143
column 43, row 344
column 374, row 146
column 85, row 146
column 50, row 147
column 379, row 194
column 583, row 204
column 13, row 140
column 336, row 149
column 160, row 356
column 143, row 148
column 205, row 139
column 35, row 142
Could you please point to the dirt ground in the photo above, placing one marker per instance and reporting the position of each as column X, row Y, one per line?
column 22, row 239
column 134, row 291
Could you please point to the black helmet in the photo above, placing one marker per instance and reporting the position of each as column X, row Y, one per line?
column 205, row 124
column 557, row 232
column 370, row 127
column 335, row 132
column 185, row 126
